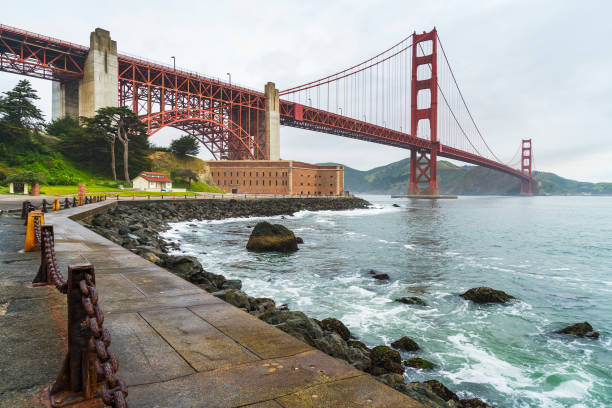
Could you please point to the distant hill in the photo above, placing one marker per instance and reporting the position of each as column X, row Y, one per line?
column 465, row 180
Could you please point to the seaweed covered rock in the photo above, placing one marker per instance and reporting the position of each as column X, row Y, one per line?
column 411, row 300
column 385, row 360
column 271, row 237
column 484, row 294
column 335, row 325
column 406, row 344
column 583, row 329
column 419, row 363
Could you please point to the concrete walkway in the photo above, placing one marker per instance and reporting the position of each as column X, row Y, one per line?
column 177, row 345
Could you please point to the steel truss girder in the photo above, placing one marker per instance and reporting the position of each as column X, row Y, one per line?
column 34, row 55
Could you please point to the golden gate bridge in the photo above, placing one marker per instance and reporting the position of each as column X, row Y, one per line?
column 406, row 96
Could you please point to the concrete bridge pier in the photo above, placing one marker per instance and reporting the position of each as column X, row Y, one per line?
column 272, row 121
column 98, row 87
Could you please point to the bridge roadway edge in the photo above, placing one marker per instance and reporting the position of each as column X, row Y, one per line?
column 177, row 345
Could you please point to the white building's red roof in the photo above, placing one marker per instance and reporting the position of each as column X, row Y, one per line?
column 152, row 176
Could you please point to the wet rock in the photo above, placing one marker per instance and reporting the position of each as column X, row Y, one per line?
column 299, row 240
column 284, row 306
column 419, row 363
column 187, row 267
column 294, row 323
column 484, row 294
column 583, row 329
column 406, row 344
column 232, row 284
column 411, row 300
column 378, row 275
column 260, row 306
column 474, row 403
column 391, row 379
column 395, row 205
column 335, row 325
column 271, row 237
column 359, row 357
column 385, row 360
column 440, row 390
column 358, row 344
column 332, row 344
column 424, row 395
column 234, row 297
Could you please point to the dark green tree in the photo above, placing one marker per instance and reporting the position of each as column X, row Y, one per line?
column 17, row 107
column 185, row 145
column 119, row 123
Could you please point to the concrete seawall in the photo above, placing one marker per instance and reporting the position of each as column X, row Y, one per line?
column 177, row 345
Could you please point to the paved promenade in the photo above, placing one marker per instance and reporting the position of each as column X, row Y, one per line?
column 177, row 345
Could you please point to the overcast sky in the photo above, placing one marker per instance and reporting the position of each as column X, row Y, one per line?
column 538, row 69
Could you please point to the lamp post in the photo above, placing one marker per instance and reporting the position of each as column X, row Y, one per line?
column 173, row 62
column 230, row 78
column 340, row 109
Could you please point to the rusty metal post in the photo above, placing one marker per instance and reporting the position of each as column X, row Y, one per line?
column 77, row 381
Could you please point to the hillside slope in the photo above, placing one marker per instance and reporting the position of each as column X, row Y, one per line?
column 166, row 162
column 466, row 180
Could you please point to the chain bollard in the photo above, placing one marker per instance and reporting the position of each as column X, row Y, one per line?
column 48, row 271
column 33, row 230
column 56, row 204
column 44, row 206
column 88, row 376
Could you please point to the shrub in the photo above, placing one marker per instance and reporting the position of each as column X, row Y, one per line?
column 29, row 177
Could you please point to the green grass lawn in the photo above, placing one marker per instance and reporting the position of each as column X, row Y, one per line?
column 68, row 190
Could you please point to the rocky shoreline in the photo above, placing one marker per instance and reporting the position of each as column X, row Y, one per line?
column 137, row 225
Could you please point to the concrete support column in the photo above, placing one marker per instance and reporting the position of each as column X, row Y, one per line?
column 65, row 99
column 99, row 86
column 272, row 121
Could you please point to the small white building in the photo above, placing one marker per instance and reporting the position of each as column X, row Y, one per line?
column 151, row 181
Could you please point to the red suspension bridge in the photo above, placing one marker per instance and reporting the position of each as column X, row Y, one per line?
column 406, row 96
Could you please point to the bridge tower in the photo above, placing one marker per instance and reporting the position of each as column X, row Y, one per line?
column 98, row 86
column 526, row 156
column 423, row 163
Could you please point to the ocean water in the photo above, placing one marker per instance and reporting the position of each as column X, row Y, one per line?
column 554, row 254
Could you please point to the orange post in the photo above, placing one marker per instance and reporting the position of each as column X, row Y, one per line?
column 30, row 241
column 56, row 204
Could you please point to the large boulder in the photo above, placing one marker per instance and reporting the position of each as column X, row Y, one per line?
column 406, row 344
column 484, row 294
column 335, row 325
column 385, row 360
column 271, row 237
column 583, row 329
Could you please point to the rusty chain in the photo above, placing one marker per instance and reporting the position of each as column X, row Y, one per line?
column 37, row 236
column 56, row 275
column 114, row 390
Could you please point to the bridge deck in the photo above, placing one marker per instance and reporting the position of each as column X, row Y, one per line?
column 177, row 345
